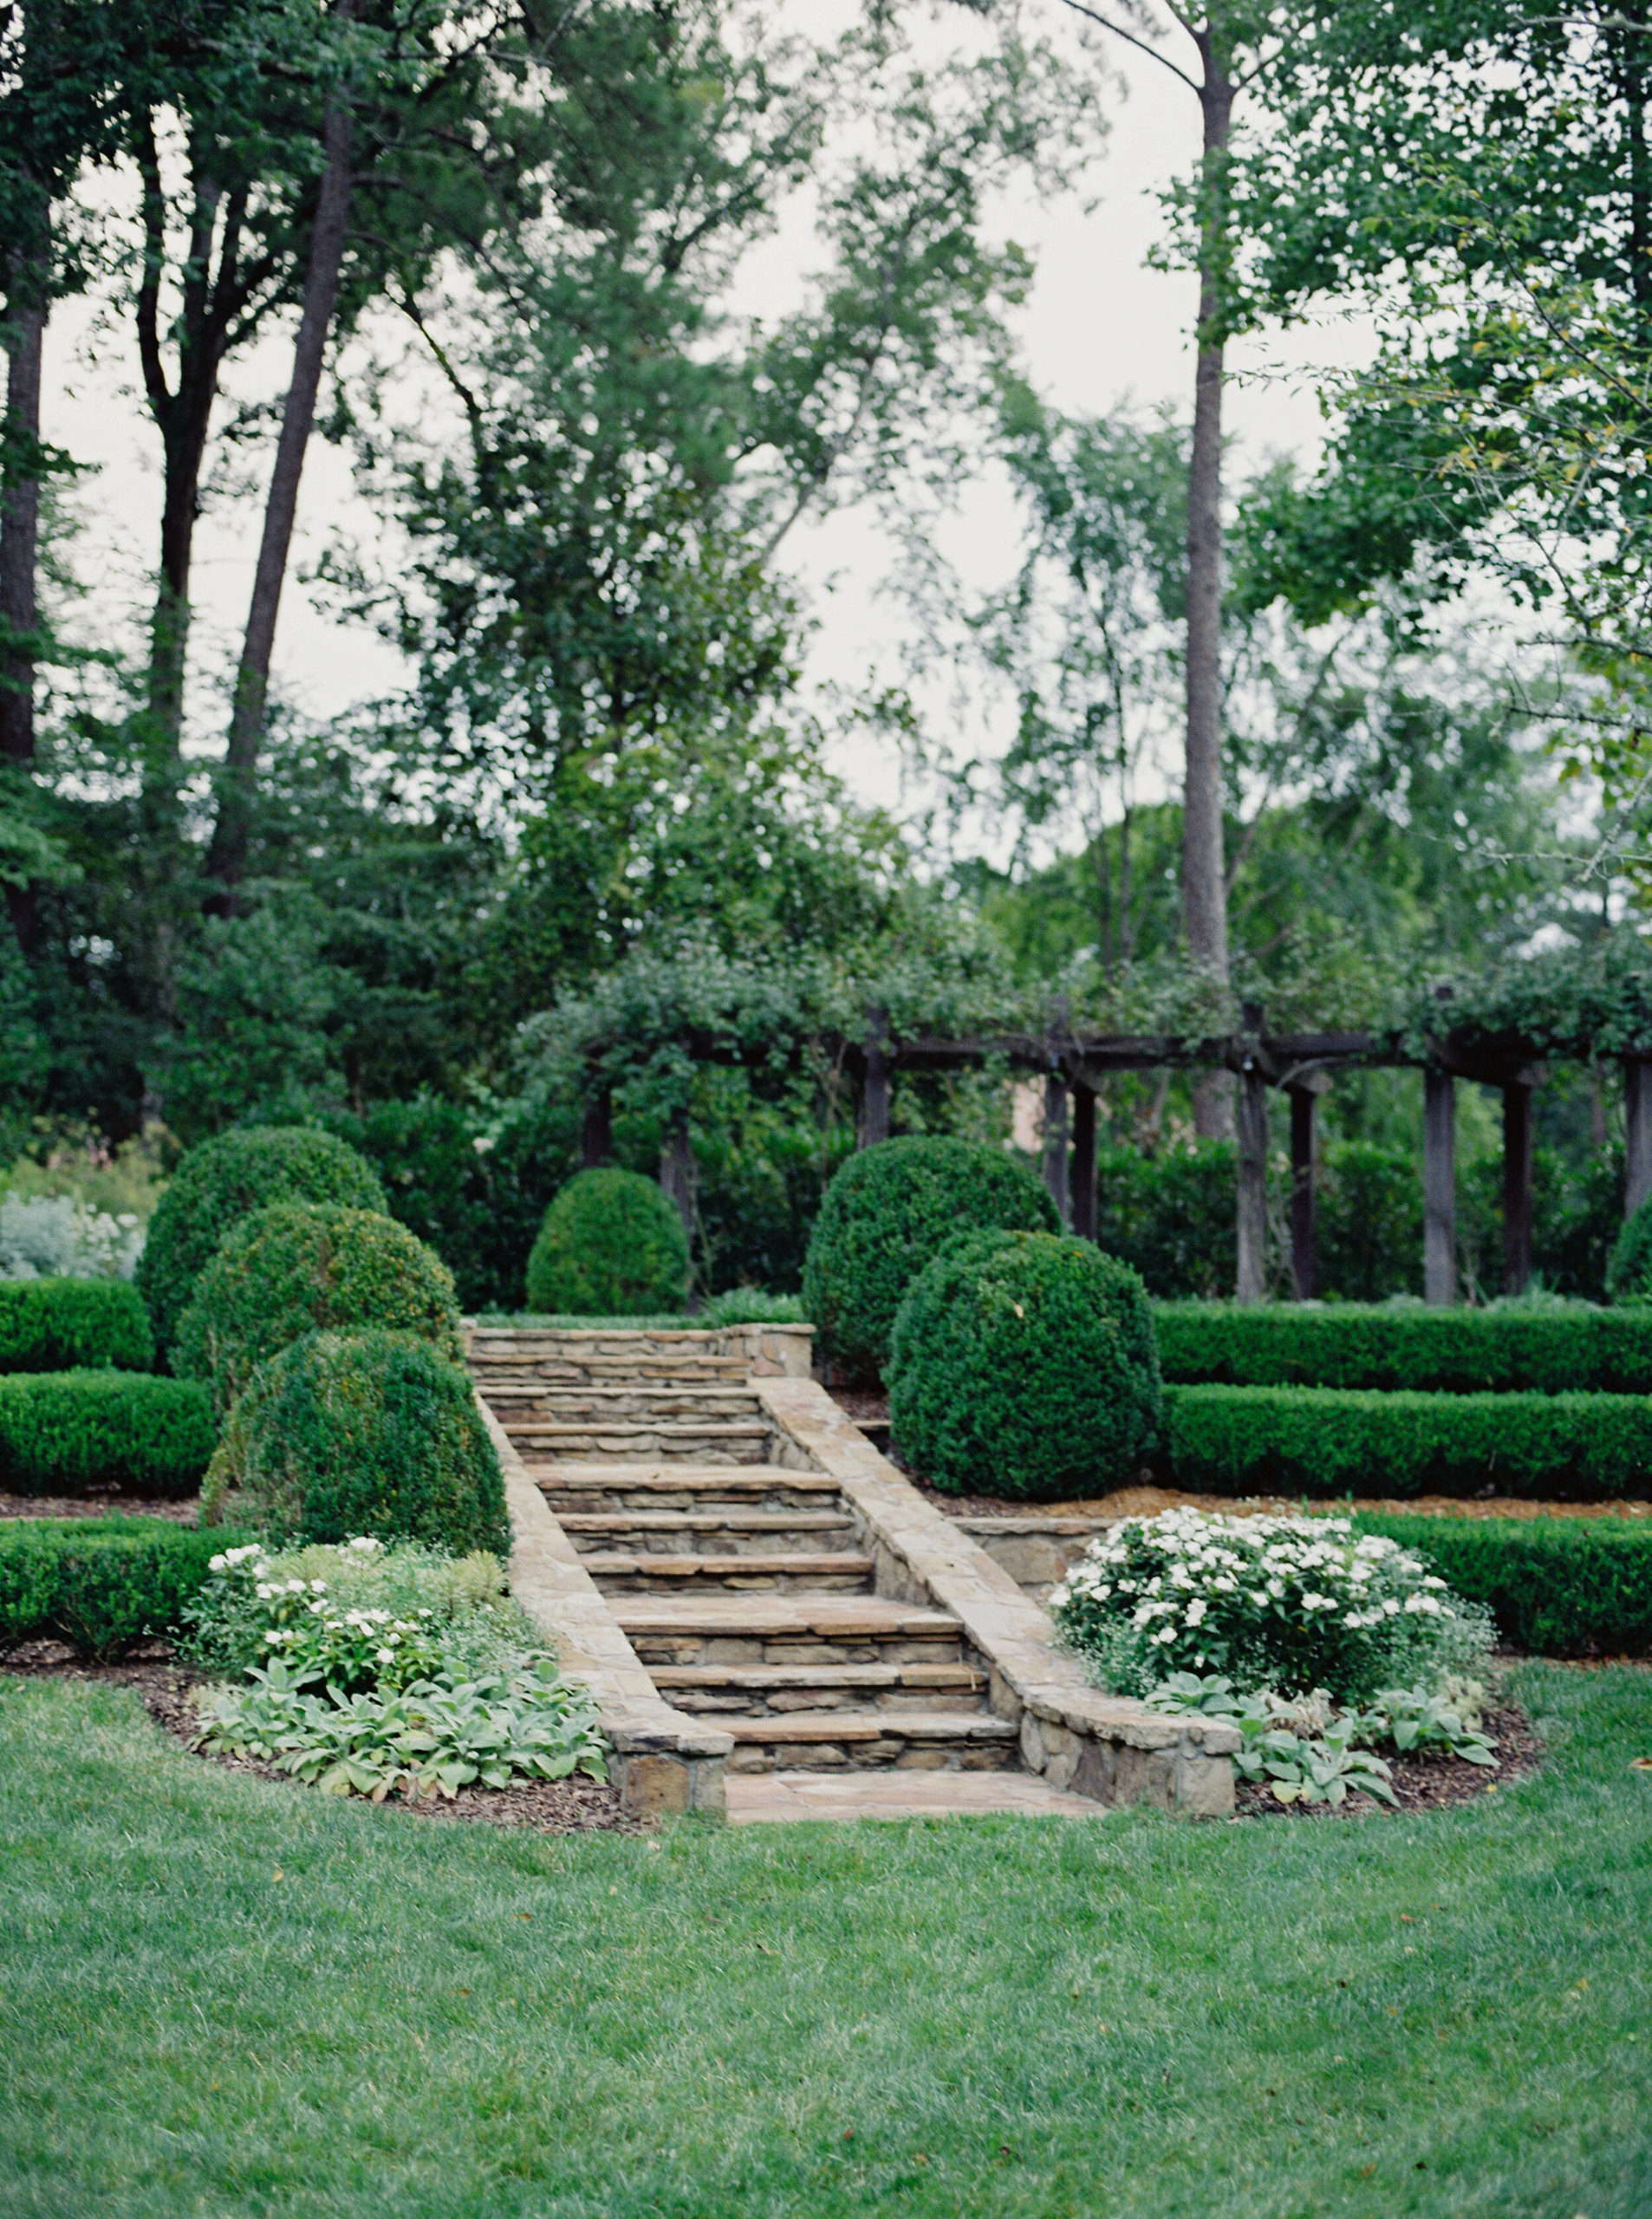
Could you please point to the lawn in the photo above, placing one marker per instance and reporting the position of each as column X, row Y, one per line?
column 226, row 1997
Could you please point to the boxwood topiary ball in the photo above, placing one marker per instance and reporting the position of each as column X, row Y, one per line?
column 1025, row 1365
column 611, row 1245
column 359, row 1433
column 1628, row 1274
column 222, row 1182
column 286, row 1271
column 885, row 1214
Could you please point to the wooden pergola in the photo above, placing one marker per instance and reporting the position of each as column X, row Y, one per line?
column 1303, row 1065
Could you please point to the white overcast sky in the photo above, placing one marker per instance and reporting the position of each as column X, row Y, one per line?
column 1100, row 327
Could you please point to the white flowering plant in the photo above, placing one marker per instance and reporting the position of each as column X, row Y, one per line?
column 1289, row 1604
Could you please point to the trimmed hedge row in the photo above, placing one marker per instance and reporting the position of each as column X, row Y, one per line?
column 101, row 1583
column 1324, row 1441
column 57, row 1325
column 65, row 1432
column 1556, row 1586
column 1432, row 1351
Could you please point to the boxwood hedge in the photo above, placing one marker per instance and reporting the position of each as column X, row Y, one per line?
column 1023, row 1366
column 1434, row 1351
column 360, row 1433
column 1556, row 1586
column 222, row 1182
column 61, row 1325
column 70, row 1432
column 288, row 1269
column 1328, row 1440
column 610, row 1243
column 885, row 1213
column 101, row 1583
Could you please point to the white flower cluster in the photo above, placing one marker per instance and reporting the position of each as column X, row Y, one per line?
column 50, row 1236
column 1240, row 1591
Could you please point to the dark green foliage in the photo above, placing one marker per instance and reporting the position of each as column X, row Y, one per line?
column 888, row 1211
column 365, row 1433
column 61, row 1325
column 1556, row 1586
column 611, row 1242
column 1171, row 1217
column 223, row 1181
column 1368, row 1223
column 1628, row 1275
column 101, row 1583
column 1023, row 1365
column 68, row 1432
column 1326, row 1440
column 1436, row 1351
column 286, row 1271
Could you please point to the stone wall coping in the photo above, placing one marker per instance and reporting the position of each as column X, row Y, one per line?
column 1008, row 1629
column 637, row 1332
column 559, row 1595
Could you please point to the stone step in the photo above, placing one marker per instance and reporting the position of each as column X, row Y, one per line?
column 680, row 1486
column 725, row 1532
column 780, row 1691
column 789, row 1628
column 834, row 1571
column 953, row 1740
column 625, row 1441
column 605, row 1405
column 512, row 1372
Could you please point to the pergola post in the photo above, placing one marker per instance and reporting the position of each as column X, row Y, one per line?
column 1083, row 1195
column 1517, row 1188
column 1251, row 1279
column 1055, row 1142
column 597, row 1130
column 677, row 1169
column 874, row 1092
column 1305, row 1255
column 1637, row 1132
column 1439, row 1187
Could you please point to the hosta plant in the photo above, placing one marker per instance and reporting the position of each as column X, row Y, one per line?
column 429, row 1738
column 1287, row 1603
column 1308, row 1750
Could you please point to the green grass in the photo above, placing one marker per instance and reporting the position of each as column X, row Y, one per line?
column 223, row 1997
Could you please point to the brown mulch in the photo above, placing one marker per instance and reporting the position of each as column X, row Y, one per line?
column 1147, row 1501
column 1433, row 1782
column 110, row 1505
column 551, row 1806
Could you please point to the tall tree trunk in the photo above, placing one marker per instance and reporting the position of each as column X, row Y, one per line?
column 1204, row 893
column 227, row 862
column 19, row 546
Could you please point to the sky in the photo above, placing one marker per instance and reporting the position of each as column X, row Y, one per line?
column 1100, row 328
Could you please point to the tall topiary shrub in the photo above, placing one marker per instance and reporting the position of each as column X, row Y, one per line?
column 1025, row 1365
column 611, row 1245
column 225, row 1180
column 286, row 1271
column 360, row 1433
column 1628, row 1275
column 886, row 1214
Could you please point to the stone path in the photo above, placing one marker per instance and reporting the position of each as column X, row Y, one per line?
column 743, row 1587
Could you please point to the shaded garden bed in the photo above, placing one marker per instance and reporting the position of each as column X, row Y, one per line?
column 557, row 1807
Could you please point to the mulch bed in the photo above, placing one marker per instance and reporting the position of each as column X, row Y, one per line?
column 110, row 1505
column 550, row 1806
column 1420, row 1782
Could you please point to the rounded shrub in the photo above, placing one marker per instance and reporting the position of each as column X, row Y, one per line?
column 885, row 1214
column 611, row 1247
column 1025, row 1365
column 1628, row 1274
column 297, row 1266
column 359, row 1433
column 225, row 1180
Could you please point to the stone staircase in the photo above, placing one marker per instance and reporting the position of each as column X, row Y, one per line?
column 746, row 1587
